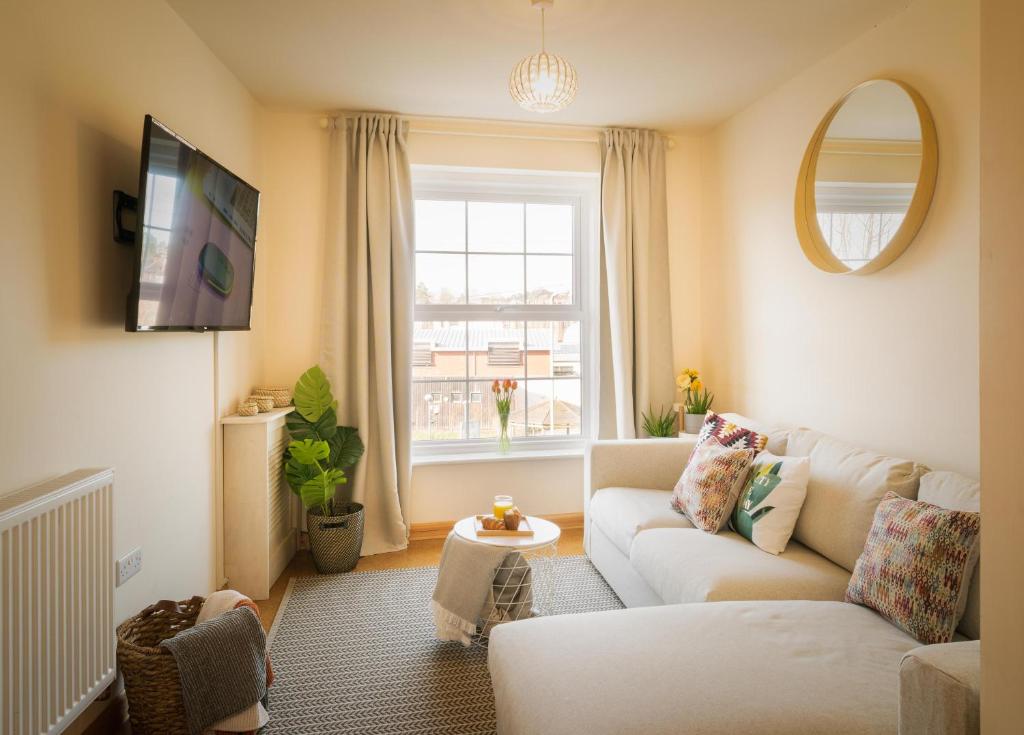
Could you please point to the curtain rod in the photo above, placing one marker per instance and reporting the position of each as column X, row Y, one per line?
column 593, row 137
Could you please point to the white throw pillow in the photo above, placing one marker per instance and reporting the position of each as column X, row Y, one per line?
column 770, row 503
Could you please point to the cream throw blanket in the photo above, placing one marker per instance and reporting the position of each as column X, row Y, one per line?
column 467, row 588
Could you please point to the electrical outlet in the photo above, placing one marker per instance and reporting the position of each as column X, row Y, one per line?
column 129, row 565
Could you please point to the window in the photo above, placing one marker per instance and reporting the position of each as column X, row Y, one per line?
column 858, row 220
column 501, row 288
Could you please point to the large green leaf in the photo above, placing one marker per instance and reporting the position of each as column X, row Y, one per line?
column 313, row 394
column 346, row 447
column 298, row 474
column 323, row 428
column 314, row 493
column 308, row 451
column 319, row 491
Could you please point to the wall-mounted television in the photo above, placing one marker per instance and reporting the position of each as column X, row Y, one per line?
column 195, row 240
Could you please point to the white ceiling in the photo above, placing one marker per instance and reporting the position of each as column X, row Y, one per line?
column 667, row 64
column 878, row 111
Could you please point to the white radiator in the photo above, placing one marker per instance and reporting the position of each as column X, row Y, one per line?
column 56, row 600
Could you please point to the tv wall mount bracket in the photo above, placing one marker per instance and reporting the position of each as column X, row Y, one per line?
column 124, row 202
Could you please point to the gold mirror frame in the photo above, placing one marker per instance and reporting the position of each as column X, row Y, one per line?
column 813, row 242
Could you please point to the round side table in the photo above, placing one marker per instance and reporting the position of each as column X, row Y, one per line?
column 524, row 583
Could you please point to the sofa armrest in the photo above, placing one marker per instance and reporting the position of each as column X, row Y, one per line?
column 647, row 463
column 940, row 689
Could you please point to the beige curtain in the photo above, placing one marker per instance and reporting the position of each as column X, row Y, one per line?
column 366, row 341
column 636, row 350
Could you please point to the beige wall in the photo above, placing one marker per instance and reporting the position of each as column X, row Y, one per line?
column 1002, row 351
column 683, row 188
column 503, row 146
column 866, row 163
column 889, row 361
column 76, row 80
column 293, row 219
column 540, row 487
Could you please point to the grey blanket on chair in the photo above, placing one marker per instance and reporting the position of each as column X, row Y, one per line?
column 222, row 665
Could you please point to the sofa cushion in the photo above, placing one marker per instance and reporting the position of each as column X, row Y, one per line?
column 916, row 566
column 707, row 490
column 950, row 490
column 770, row 502
column 730, row 434
column 845, row 487
column 778, row 436
column 772, row 668
column 957, row 492
column 622, row 512
column 699, row 567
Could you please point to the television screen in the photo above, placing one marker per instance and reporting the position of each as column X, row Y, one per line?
column 195, row 240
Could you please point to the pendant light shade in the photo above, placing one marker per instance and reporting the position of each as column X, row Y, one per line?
column 543, row 82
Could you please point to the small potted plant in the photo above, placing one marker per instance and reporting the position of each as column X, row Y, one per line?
column 662, row 424
column 696, row 400
column 318, row 459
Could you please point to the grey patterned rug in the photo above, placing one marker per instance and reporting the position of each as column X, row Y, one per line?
column 356, row 653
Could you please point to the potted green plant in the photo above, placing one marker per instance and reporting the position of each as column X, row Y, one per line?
column 696, row 402
column 318, row 460
column 661, row 424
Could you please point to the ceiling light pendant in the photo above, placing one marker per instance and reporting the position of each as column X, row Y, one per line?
column 543, row 82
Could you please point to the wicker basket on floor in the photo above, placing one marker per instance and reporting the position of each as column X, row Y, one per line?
column 151, row 680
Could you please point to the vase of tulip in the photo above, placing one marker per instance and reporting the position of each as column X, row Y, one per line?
column 503, row 391
column 696, row 400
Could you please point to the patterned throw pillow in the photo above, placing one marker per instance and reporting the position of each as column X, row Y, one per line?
column 770, row 503
column 707, row 490
column 730, row 434
column 916, row 566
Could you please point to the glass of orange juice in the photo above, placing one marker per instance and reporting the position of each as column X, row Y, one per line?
column 501, row 504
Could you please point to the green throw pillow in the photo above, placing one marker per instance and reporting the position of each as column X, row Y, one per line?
column 770, row 502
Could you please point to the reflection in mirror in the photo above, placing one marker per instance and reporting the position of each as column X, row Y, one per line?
column 867, row 171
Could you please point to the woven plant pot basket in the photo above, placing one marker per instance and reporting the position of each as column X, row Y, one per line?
column 336, row 540
column 151, row 680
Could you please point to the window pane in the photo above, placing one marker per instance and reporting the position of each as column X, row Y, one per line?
column 495, row 279
column 496, row 227
column 496, row 349
column 440, row 279
column 160, row 200
column 857, row 238
column 438, row 410
column 483, row 413
column 439, row 380
column 549, row 228
column 554, row 349
column 554, row 407
column 440, row 225
column 549, row 279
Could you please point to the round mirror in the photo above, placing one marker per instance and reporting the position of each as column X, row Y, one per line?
column 867, row 178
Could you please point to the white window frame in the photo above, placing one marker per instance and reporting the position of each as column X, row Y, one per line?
column 494, row 185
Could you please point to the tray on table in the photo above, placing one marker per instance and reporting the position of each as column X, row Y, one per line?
column 525, row 529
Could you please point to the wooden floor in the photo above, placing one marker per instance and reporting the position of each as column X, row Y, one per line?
column 425, row 553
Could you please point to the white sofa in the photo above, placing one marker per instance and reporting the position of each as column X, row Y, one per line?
column 775, row 651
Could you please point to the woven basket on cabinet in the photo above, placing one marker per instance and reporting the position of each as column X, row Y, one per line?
column 151, row 680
